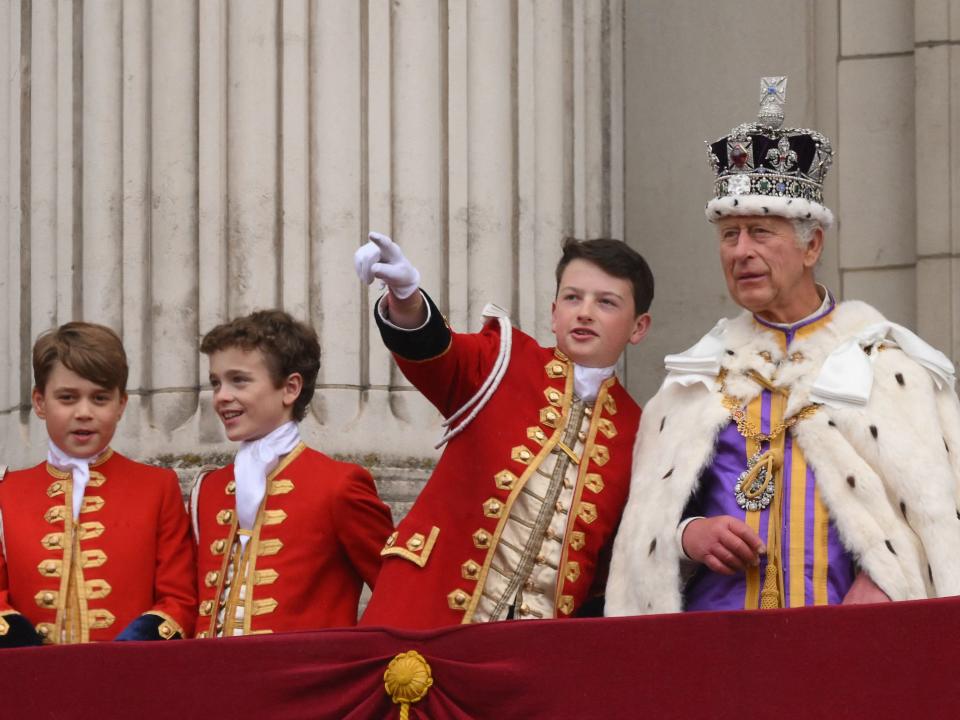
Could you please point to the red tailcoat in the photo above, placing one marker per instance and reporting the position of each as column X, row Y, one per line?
column 133, row 538
column 436, row 562
column 317, row 540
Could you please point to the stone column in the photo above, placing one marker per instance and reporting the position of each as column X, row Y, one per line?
column 876, row 156
column 936, row 34
column 169, row 354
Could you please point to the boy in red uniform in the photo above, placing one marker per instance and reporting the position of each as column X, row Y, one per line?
column 95, row 546
column 287, row 536
column 518, row 518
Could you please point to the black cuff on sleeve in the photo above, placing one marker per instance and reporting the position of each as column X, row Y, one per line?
column 19, row 632
column 424, row 343
column 145, row 627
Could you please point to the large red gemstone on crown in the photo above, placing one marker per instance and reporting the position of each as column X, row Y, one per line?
column 739, row 156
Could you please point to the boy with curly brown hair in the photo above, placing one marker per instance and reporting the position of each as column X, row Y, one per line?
column 287, row 536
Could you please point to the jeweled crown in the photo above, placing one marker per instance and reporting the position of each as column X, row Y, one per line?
column 764, row 168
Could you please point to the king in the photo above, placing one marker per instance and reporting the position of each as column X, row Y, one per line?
column 805, row 452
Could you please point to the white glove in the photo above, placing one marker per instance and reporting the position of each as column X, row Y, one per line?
column 382, row 258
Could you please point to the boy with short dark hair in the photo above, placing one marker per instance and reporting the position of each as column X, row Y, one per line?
column 615, row 258
column 518, row 518
column 93, row 542
column 287, row 536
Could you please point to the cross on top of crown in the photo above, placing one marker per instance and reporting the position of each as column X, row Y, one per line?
column 773, row 95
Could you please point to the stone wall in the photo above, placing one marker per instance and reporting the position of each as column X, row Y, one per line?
column 936, row 49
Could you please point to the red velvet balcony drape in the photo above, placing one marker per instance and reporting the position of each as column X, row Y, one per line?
column 884, row 661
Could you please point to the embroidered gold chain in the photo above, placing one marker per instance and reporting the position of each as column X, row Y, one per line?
column 751, row 432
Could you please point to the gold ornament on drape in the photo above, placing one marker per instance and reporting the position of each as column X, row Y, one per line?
column 407, row 680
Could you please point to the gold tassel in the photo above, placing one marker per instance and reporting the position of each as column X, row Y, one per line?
column 770, row 594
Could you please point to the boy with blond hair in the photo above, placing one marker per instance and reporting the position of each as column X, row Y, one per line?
column 95, row 546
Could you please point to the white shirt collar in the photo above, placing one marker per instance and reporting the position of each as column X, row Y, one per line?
column 254, row 461
column 79, row 468
column 587, row 380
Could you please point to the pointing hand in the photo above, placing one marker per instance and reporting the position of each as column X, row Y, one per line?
column 382, row 258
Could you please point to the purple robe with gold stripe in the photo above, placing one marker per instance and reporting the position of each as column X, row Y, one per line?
column 817, row 570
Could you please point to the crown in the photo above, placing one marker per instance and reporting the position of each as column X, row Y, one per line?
column 763, row 168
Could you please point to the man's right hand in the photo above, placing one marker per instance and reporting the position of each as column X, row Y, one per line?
column 381, row 258
column 723, row 543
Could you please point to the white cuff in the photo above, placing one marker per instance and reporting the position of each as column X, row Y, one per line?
column 680, row 528
column 386, row 319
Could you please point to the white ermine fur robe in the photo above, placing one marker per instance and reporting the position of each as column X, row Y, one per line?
column 888, row 471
